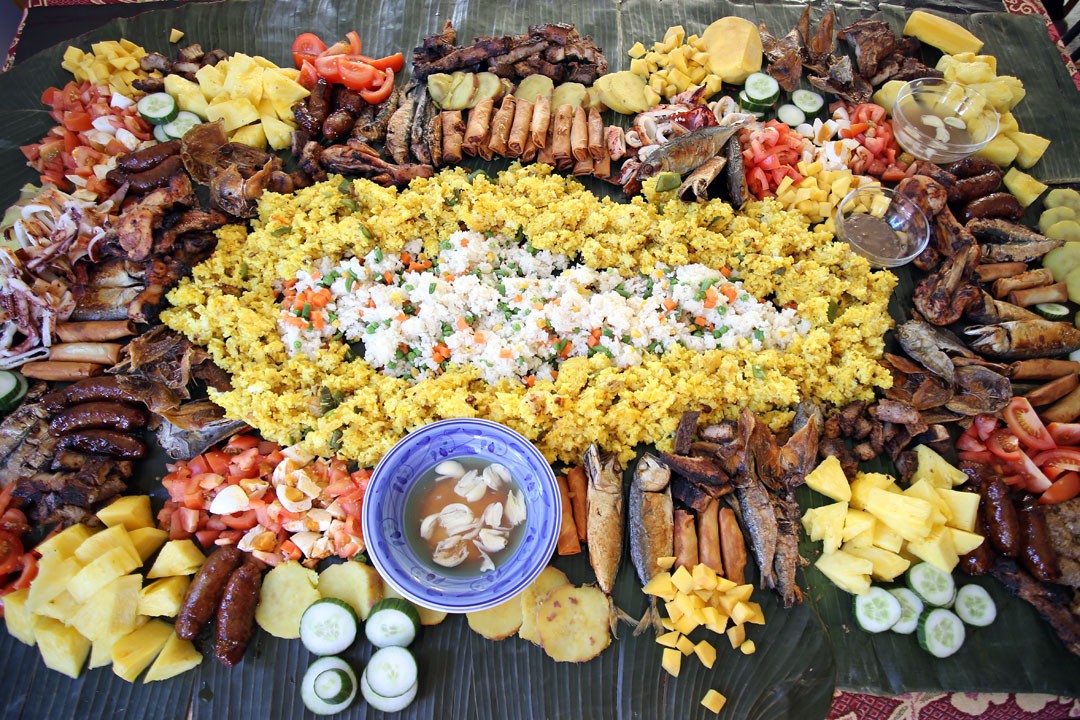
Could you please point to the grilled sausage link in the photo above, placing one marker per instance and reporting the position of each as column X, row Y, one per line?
column 1038, row 556
column 205, row 591
column 981, row 559
column 104, row 442
column 971, row 166
column 147, row 180
column 1000, row 515
column 148, row 157
column 236, row 615
column 994, row 205
column 975, row 187
column 106, row 415
column 94, row 389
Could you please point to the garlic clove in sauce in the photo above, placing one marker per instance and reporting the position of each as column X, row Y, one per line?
column 493, row 513
column 496, row 475
column 427, row 526
column 451, row 552
column 450, row 469
column 456, row 518
column 515, row 508
column 486, row 564
column 491, row 540
column 471, row 486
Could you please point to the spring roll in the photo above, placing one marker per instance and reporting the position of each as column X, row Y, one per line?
column 1065, row 410
column 1042, row 369
column 500, row 126
column 583, row 167
column 685, row 539
column 1053, row 390
column 560, row 133
column 530, row 151
column 579, row 498
column 1057, row 293
column 519, row 129
column 99, row 352
column 708, row 536
column 1023, row 281
column 995, row 271
column 596, row 133
column 579, row 134
column 94, row 330
column 476, row 132
column 453, row 136
column 602, row 167
column 732, row 547
column 59, row 371
column 540, row 121
column 568, row 533
column 543, row 153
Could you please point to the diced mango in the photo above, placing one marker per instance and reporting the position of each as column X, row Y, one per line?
column 706, row 653
column 687, row 624
column 665, row 563
column 748, row 647
column 683, row 580
column 669, row 639
column 736, row 635
column 636, row 50
column 660, row 586
column 671, row 661
column 714, row 701
column 685, row 645
column 741, row 612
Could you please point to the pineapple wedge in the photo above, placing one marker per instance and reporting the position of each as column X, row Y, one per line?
column 133, row 652
column 100, row 543
column 189, row 96
column 886, row 539
column 1029, row 148
column 65, row 542
column 62, row 648
column 963, row 541
column 112, row 611
column 846, row 571
column 923, row 490
column 826, row 523
column 908, row 516
column 54, row 573
column 936, row 470
column 210, row 78
column 828, row 479
column 147, row 540
column 1026, row 188
column 1001, row 151
column 19, row 621
column 251, row 135
column 163, row 598
column 178, row 557
column 235, row 113
column 278, row 133
column 858, row 522
column 131, row 511
column 937, row 549
column 178, row 656
column 963, row 506
column 101, row 572
column 864, row 483
column 62, row 607
column 943, row 34
column 887, row 565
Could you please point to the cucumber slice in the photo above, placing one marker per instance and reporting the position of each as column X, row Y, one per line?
column 876, row 610
column 790, row 115
column 752, row 106
column 326, row 680
column 1052, row 311
column 808, row 101
column 391, row 672
column 157, row 108
column 940, row 632
column 13, row 388
column 911, row 607
column 385, row 704
column 975, row 606
column 184, row 121
column 159, row 134
column 392, row 622
column 762, row 89
column 328, row 626
column 933, row 585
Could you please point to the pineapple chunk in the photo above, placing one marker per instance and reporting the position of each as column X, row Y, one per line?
column 857, row 522
column 131, row 511
column 235, row 113
column 95, row 576
column 714, row 701
column 175, row 35
column 243, row 78
column 1001, row 151
column 101, row 650
column 886, row 94
column 147, row 540
column 178, row 557
column 671, row 661
column 846, row 571
column 104, row 541
column 210, row 78
column 963, row 507
column 706, row 653
column 178, row 656
column 1026, row 188
column 62, row 648
column 19, row 621
column 863, row 539
column 283, row 91
column 65, row 542
column 887, row 565
column 54, row 573
column 133, row 652
column 937, row 549
column 251, row 135
column 826, row 523
column 1030, row 148
column 923, row 490
column 62, row 607
column 936, row 470
column 278, row 134
column 943, row 34
column 1007, row 124
column 864, row 483
column 887, row 539
column 162, row 598
column 112, row 611
column 828, row 479
column 908, row 516
column 963, row 541
column 189, row 96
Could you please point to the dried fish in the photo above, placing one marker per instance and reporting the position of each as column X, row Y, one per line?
column 605, row 522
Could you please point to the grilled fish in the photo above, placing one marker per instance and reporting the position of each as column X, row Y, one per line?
column 1020, row 339
column 420, row 136
column 651, row 516
column 399, row 128
column 735, row 174
column 371, row 126
column 605, row 520
column 687, row 152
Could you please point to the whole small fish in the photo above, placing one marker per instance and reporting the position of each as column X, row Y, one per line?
column 687, row 152
column 1021, row 339
column 371, row 125
column 651, row 516
column 604, row 527
column 760, row 521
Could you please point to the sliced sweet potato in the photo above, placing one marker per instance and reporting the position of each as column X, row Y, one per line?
column 499, row 622
column 548, row 580
column 573, row 623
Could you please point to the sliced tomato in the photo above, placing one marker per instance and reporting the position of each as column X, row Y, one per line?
column 328, row 68
column 1024, row 421
column 207, row 538
column 984, row 425
column 395, row 62
column 341, row 47
column 308, row 75
column 970, row 441
column 380, row 94
column 1064, row 433
column 11, row 550
column 357, row 75
column 1064, row 488
column 1005, row 445
column 1037, row 482
column 239, row 443
column 355, row 46
column 1067, row 459
column 985, row 457
column 245, row 465
column 240, row 521
column 306, row 46
column 217, row 461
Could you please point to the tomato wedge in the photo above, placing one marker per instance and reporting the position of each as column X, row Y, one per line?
column 305, row 47
column 356, row 75
column 1005, row 445
column 1024, row 421
column 11, row 550
column 355, row 46
column 969, row 441
column 1037, row 482
column 1064, row 488
column 328, row 68
column 1067, row 459
column 381, row 92
column 395, row 62
column 308, row 75
column 984, row 425
column 1064, row 433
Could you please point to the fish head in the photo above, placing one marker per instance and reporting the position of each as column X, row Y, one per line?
column 651, row 475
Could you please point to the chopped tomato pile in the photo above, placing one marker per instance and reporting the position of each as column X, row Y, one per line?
column 1041, row 459
column 17, row 565
column 878, row 153
column 770, row 155
column 94, row 125
column 343, row 64
column 282, row 505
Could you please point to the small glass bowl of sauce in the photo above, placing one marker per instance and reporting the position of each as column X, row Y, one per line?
column 881, row 225
column 942, row 121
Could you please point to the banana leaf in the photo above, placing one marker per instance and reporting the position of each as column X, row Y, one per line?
column 803, row 653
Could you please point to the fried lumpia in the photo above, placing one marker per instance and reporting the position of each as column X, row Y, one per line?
column 476, row 132
column 596, row 134
column 708, row 536
column 453, row 136
column 1042, row 369
column 540, row 121
column 1065, row 410
column 583, row 167
column 1023, row 281
column 732, row 547
column 602, row 167
column 60, row 371
column 98, row 352
column 685, row 540
column 94, row 330
column 530, row 151
column 989, row 272
column 560, row 133
column 568, row 533
column 579, row 498
column 519, row 129
column 579, row 134
column 500, row 126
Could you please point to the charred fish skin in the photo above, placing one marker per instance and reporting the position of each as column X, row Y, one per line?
column 1022, row 339
column 604, row 526
column 687, row 152
column 651, row 517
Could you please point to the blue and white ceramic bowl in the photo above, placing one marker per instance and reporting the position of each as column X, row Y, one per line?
column 403, row 466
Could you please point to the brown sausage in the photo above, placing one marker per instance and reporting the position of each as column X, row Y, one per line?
column 107, row 415
column 236, row 615
column 994, row 205
column 104, row 442
column 94, row 389
column 981, row 559
column 148, row 157
column 147, row 180
column 205, row 591
column 1038, row 556
column 972, row 188
column 971, row 166
column 1000, row 514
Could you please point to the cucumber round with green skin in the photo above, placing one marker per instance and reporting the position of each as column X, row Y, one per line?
column 911, row 607
column 13, row 388
column 761, row 88
column 391, row 671
column 159, row 134
column 184, row 121
column 329, row 686
column 1052, row 311
column 975, row 606
column 328, row 626
column 932, row 584
column 790, row 115
column 386, row 704
column 941, row 633
column 392, row 622
column 750, row 105
column 808, row 101
column 157, row 108
column 877, row 610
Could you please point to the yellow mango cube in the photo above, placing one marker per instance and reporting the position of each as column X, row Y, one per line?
column 748, row 648
column 683, row 580
column 671, row 661
column 736, row 635
column 714, row 701
column 669, row 639
column 706, row 653
column 685, row 645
